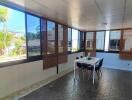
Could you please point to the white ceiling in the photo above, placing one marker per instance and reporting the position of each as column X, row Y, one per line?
column 84, row 14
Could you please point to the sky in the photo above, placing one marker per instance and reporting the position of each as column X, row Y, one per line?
column 16, row 21
column 50, row 25
column 32, row 23
column 75, row 37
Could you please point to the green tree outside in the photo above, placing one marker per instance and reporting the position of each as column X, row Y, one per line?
column 8, row 39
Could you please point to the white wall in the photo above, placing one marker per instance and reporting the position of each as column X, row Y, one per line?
column 70, row 63
column 14, row 78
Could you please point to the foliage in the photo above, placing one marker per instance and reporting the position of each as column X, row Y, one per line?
column 10, row 43
column 3, row 14
column 19, row 47
column 5, row 41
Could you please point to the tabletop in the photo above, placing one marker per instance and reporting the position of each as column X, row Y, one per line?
column 91, row 60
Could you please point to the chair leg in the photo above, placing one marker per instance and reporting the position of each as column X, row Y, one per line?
column 100, row 73
column 78, row 70
column 84, row 71
column 91, row 73
column 88, row 75
column 97, row 72
column 79, row 73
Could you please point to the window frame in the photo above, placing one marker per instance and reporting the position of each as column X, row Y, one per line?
column 82, row 38
column 69, row 52
column 59, row 38
column 38, row 57
column 56, row 32
column 72, row 40
column 124, row 54
column 114, row 51
column 27, row 58
column 86, row 39
column 103, row 50
column 32, row 58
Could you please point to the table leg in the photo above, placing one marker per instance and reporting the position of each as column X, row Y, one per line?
column 94, row 74
column 74, row 71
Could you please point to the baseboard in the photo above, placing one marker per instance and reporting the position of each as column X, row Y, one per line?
column 25, row 91
column 118, row 68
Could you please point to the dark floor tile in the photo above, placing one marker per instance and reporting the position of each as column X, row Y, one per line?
column 113, row 85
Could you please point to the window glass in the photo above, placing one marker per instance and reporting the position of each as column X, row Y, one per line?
column 12, row 35
column 114, row 40
column 33, row 35
column 82, row 40
column 69, row 39
column 50, row 37
column 79, row 41
column 60, row 38
column 127, row 40
column 89, row 40
column 107, row 35
column 43, row 34
column 75, row 42
column 100, row 36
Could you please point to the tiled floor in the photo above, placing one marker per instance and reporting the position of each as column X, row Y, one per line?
column 114, row 85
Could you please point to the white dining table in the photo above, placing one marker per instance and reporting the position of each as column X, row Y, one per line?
column 91, row 61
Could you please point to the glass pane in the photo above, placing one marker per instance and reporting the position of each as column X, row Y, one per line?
column 69, row 39
column 12, row 35
column 50, row 37
column 100, row 40
column 89, row 40
column 60, row 38
column 82, row 40
column 33, row 34
column 78, row 46
column 75, row 38
column 127, row 40
column 114, row 40
column 43, row 26
column 43, row 32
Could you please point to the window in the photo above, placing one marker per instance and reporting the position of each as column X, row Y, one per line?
column 50, row 37
column 79, row 41
column 82, row 41
column 75, row 40
column 12, row 35
column 107, row 34
column 33, row 35
column 126, row 45
column 69, row 39
column 62, row 44
column 114, row 40
column 60, row 38
column 100, row 39
column 89, row 40
column 43, row 35
column 90, row 44
column 127, row 40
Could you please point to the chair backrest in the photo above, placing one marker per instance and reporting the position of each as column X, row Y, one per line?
column 81, row 56
column 79, row 65
column 87, row 66
column 77, row 57
column 100, row 63
column 84, row 65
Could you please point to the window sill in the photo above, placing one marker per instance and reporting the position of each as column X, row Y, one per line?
column 21, row 61
column 100, row 51
column 108, row 51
